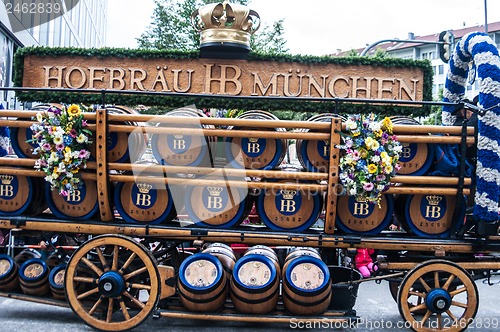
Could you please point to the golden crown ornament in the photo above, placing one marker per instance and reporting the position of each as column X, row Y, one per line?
column 225, row 27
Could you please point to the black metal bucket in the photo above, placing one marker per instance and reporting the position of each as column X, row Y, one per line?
column 344, row 292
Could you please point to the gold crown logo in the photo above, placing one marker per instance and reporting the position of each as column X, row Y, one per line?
column 178, row 136
column 223, row 23
column 6, row 179
column 288, row 194
column 215, row 191
column 433, row 199
column 361, row 199
column 253, row 140
column 327, row 142
column 144, row 187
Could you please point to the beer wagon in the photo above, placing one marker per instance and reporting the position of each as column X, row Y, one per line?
column 157, row 224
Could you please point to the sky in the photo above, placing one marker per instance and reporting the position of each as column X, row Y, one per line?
column 319, row 27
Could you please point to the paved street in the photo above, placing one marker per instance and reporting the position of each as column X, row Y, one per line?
column 375, row 306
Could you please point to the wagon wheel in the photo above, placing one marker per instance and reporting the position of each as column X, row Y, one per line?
column 438, row 295
column 120, row 282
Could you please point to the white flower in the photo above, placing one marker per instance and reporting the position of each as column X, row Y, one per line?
column 352, row 192
column 39, row 117
column 375, row 159
column 351, row 125
column 398, row 148
column 82, row 139
column 374, row 126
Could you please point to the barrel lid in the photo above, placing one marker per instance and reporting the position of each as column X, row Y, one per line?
column 254, row 272
column 216, row 206
column 19, row 138
column 201, row 272
column 431, row 215
column 289, row 210
column 16, row 194
column 7, row 265
column 148, row 202
column 307, row 274
column 363, row 217
column 56, row 276
column 416, row 158
column 81, row 204
column 314, row 155
column 33, row 269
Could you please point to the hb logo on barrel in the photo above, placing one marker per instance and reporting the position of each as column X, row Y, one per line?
column 361, row 207
column 288, row 201
column 214, row 198
column 7, row 186
column 433, row 209
column 142, row 194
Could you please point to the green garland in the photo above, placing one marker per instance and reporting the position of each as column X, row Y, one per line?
column 243, row 104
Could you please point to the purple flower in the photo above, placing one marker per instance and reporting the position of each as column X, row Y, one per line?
column 380, row 177
column 60, row 147
column 368, row 186
column 84, row 123
column 46, row 147
column 73, row 133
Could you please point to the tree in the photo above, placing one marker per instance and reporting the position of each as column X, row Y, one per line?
column 171, row 29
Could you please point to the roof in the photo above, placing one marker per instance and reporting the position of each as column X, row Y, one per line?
column 458, row 33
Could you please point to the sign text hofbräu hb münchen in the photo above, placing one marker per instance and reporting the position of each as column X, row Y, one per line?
column 224, row 77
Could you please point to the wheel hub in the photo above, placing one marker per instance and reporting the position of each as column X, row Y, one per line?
column 438, row 300
column 111, row 284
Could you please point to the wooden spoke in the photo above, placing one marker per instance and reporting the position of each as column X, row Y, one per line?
column 124, row 309
column 95, row 306
column 104, row 263
column 114, row 267
column 109, row 314
column 448, row 282
column 128, row 262
column 82, row 286
column 424, row 284
column 88, row 293
column 424, row 316
column 135, row 273
column 436, row 279
column 92, row 266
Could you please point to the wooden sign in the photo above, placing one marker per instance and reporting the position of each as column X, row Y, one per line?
column 225, row 77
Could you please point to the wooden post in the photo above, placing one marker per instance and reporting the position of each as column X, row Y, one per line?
column 333, row 176
column 101, row 139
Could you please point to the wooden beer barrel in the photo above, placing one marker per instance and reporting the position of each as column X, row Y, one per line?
column 144, row 202
column 21, row 194
column 220, row 206
column 302, row 251
column 183, row 149
column 307, row 287
column 56, row 282
column 265, row 251
column 253, row 152
column 224, row 253
column 416, row 158
column 202, row 283
column 34, row 277
column 82, row 204
column 123, row 147
column 20, row 136
column 314, row 155
column 429, row 215
column 362, row 217
column 26, row 254
column 254, row 287
column 289, row 210
column 9, row 279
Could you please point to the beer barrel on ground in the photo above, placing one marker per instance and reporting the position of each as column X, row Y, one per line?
column 20, row 136
column 254, row 152
column 123, row 147
column 183, row 149
column 429, row 215
column 314, row 155
column 220, row 205
column 21, row 194
column 307, row 287
column 255, row 284
column 82, row 203
column 415, row 158
column 265, row 251
column 9, row 279
column 202, row 283
column 361, row 217
column 34, row 277
column 56, row 282
column 289, row 209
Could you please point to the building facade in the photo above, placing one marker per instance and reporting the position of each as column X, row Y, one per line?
column 422, row 51
column 82, row 24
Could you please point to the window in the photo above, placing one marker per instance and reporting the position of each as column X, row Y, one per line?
column 441, row 69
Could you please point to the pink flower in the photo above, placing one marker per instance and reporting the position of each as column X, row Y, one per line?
column 368, row 186
column 60, row 147
column 46, row 147
column 84, row 123
column 73, row 133
column 63, row 193
column 380, row 177
column 83, row 154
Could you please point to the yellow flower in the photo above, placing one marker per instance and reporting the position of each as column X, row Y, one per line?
column 388, row 169
column 363, row 153
column 369, row 142
column 378, row 133
column 39, row 117
column 64, row 182
column 372, row 168
column 384, row 155
column 74, row 110
column 387, row 124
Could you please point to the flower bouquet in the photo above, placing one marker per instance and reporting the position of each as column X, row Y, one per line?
column 63, row 140
column 371, row 157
